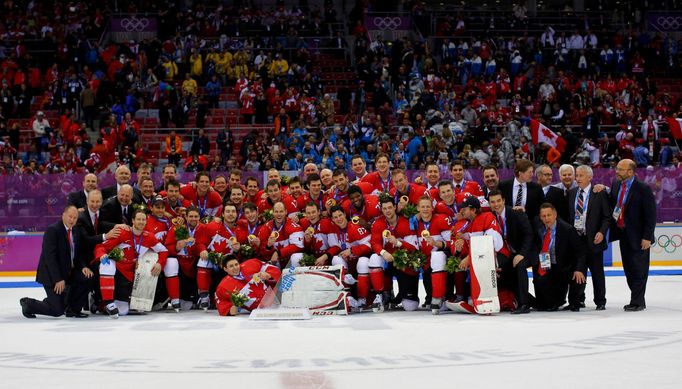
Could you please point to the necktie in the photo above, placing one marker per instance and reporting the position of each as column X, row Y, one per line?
column 545, row 249
column 519, row 196
column 621, row 218
column 501, row 222
column 70, row 240
column 579, row 208
column 95, row 224
column 125, row 214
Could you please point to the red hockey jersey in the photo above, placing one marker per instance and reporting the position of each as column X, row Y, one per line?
column 245, row 284
column 133, row 247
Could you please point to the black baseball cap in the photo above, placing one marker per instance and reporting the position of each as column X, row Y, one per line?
column 470, row 202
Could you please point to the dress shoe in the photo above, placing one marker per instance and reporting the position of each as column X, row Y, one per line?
column 24, row 309
column 574, row 307
column 601, row 307
column 582, row 305
column 634, row 308
column 77, row 315
column 521, row 309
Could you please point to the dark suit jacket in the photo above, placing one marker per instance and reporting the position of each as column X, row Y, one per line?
column 91, row 238
column 639, row 214
column 77, row 199
column 598, row 215
column 54, row 264
column 534, row 196
column 519, row 234
column 555, row 196
column 568, row 248
column 111, row 191
column 111, row 214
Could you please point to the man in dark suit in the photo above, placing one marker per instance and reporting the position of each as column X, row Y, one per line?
column 521, row 193
column 117, row 210
column 589, row 212
column 60, row 271
column 88, row 225
column 560, row 262
column 122, row 176
column 169, row 174
column 79, row 199
column 553, row 195
column 518, row 237
column 632, row 223
column 490, row 180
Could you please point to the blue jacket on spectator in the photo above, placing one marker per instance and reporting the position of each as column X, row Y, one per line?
column 641, row 156
column 666, row 156
column 213, row 88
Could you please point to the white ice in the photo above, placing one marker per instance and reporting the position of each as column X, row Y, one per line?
column 198, row 350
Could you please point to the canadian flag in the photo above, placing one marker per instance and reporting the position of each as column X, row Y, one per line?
column 675, row 126
column 542, row 134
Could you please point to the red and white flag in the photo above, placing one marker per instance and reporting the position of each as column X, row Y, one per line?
column 542, row 134
column 675, row 126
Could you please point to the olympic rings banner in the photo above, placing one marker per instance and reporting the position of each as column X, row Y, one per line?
column 133, row 24
column 664, row 21
column 387, row 22
column 666, row 249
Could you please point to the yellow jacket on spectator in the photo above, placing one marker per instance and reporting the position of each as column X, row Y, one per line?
column 279, row 67
column 241, row 57
column 196, row 65
column 239, row 70
column 170, row 70
column 190, row 86
column 223, row 63
column 213, row 56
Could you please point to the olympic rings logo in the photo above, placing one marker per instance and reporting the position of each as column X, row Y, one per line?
column 669, row 23
column 666, row 243
column 134, row 24
column 387, row 23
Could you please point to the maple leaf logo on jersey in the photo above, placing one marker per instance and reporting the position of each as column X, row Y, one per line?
column 219, row 244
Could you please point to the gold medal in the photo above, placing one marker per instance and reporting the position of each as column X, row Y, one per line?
column 386, row 234
column 274, row 234
column 310, row 231
column 405, row 199
column 426, row 234
column 355, row 220
column 251, row 237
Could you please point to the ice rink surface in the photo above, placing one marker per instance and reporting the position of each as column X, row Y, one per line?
column 198, row 350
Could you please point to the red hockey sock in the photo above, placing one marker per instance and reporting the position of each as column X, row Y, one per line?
column 203, row 279
column 460, row 281
column 376, row 276
column 363, row 286
column 438, row 281
column 106, row 286
column 173, row 287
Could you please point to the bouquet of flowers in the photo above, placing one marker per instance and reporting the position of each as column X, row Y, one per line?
column 308, row 260
column 284, row 180
column 452, row 264
column 409, row 210
column 181, row 232
column 267, row 215
column 238, row 299
column 408, row 260
column 246, row 251
column 215, row 258
column 206, row 219
column 300, row 215
column 140, row 207
column 116, row 254
column 385, row 196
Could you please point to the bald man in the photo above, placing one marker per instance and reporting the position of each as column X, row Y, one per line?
column 79, row 199
column 632, row 224
column 117, row 210
column 122, row 176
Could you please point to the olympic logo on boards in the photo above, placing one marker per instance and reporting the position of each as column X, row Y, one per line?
column 666, row 243
column 134, row 24
column 669, row 23
column 387, row 23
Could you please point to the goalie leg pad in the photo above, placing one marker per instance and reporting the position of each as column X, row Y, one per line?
column 317, row 300
column 311, row 279
column 123, row 307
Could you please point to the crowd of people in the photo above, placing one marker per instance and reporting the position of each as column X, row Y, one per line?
column 218, row 236
column 468, row 96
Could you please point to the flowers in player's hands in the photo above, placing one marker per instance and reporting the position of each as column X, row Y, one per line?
column 385, row 196
column 413, row 260
column 308, row 260
column 246, row 251
column 215, row 258
column 452, row 264
column 238, row 299
column 181, row 232
column 300, row 215
column 409, row 210
column 140, row 207
column 116, row 254
column 267, row 215
column 284, row 181
column 206, row 219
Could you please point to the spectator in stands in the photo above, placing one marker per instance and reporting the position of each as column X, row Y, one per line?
column 173, row 148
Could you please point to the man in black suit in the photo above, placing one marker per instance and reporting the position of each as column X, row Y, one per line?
column 169, row 174
column 60, row 271
column 122, row 176
column 560, row 262
column 518, row 237
column 632, row 223
column 88, row 225
column 117, row 210
column 589, row 212
column 490, row 180
column 79, row 199
column 553, row 195
column 522, row 193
